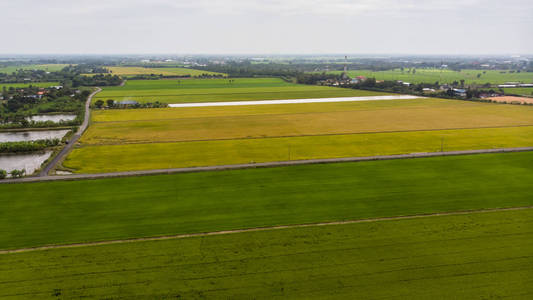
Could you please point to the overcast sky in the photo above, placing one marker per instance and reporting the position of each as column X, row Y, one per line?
column 266, row 26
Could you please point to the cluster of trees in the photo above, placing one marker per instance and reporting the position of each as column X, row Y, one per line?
column 14, row 173
column 22, row 103
column 86, row 68
column 110, row 103
column 95, row 80
column 72, row 76
column 160, row 76
column 314, row 78
column 22, row 76
column 418, row 89
column 28, row 146
column 249, row 69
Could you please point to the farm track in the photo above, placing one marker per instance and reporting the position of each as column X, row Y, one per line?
column 256, row 229
column 44, row 172
column 262, row 165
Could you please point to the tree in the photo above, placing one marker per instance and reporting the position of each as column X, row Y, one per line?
column 110, row 102
column 3, row 174
column 99, row 103
column 462, row 82
column 17, row 173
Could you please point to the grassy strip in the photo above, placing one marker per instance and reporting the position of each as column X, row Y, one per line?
column 25, row 85
column 77, row 211
column 28, row 146
column 484, row 255
column 114, row 158
column 519, row 91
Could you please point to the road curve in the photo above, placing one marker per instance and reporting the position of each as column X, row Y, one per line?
column 263, row 165
column 44, row 172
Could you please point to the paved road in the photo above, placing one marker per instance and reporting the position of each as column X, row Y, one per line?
column 296, row 101
column 44, row 172
column 254, row 229
column 263, row 165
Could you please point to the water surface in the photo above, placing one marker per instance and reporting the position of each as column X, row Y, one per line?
column 30, row 162
column 19, row 136
column 53, row 118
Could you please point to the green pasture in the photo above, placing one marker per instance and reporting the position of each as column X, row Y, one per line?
column 446, row 76
column 475, row 256
column 115, row 158
column 134, row 71
column 59, row 212
column 519, row 91
column 215, row 90
column 45, row 67
column 24, row 85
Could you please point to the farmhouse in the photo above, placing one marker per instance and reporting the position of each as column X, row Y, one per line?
column 459, row 92
column 358, row 79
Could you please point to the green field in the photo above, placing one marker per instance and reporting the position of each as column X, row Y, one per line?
column 121, row 140
column 446, row 76
column 211, row 90
column 477, row 256
column 519, row 91
column 75, row 211
column 23, row 85
column 46, row 67
column 133, row 71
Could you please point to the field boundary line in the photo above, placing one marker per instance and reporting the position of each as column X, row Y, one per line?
column 263, row 165
column 267, row 228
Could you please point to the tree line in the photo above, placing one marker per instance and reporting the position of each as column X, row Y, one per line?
column 28, row 146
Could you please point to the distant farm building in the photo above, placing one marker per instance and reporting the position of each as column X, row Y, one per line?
column 358, row 79
column 459, row 92
column 128, row 102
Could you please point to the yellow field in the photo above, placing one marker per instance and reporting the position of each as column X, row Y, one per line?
column 115, row 158
column 140, row 139
column 212, row 123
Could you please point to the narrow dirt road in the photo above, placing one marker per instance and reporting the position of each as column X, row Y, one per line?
column 182, row 236
column 44, row 172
